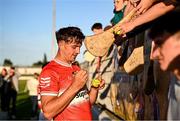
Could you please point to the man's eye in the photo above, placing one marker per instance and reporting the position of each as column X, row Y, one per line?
column 74, row 47
column 159, row 43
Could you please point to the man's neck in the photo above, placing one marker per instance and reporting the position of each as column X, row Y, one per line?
column 62, row 59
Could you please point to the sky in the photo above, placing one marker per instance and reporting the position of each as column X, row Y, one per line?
column 26, row 26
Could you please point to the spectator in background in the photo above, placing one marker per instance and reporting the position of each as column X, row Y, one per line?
column 32, row 87
column 149, row 11
column 2, row 75
column 3, row 90
column 12, row 79
column 4, row 95
column 119, row 7
column 165, row 34
column 97, row 28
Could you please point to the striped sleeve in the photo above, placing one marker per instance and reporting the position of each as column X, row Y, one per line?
column 48, row 83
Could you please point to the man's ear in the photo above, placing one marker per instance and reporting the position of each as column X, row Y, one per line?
column 61, row 44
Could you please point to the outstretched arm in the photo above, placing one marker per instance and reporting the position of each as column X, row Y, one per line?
column 151, row 14
column 144, row 5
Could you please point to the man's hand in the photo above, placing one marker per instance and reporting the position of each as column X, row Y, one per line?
column 94, row 90
column 102, row 84
column 99, row 83
column 144, row 5
column 80, row 79
column 126, row 27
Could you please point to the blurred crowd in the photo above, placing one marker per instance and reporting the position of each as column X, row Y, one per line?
column 8, row 91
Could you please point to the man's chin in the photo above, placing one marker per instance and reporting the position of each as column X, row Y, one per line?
column 163, row 68
column 73, row 59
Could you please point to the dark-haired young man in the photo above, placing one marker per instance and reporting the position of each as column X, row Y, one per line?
column 63, row 90
column 165, row 34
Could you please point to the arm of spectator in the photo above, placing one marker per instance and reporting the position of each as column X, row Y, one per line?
column 128, row 8
column 151, row 14
column 144, row 5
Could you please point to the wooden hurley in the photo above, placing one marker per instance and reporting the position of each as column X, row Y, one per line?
column 135, row 63
column 88, row 56
column 99, row 44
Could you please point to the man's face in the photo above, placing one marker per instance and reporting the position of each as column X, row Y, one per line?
column 70, row 50
column 97, row 31
column 4, row 72
column 165, row 51
column 11, row 72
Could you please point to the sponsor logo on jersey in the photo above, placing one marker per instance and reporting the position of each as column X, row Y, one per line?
column 82, row 96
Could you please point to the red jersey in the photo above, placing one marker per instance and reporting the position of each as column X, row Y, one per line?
column 54, row 79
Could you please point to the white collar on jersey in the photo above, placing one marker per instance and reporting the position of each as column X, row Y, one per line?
column 62, row 63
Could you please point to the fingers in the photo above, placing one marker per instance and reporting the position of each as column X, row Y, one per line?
column 81, row 72
column 81, row 75
column 80, row 79
column 123, row 29
column 140, row 9
column 144, row 6
column 124, row 35
column 139, row 6
column 102, row 84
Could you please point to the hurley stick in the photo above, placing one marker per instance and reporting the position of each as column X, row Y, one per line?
column 99, row 44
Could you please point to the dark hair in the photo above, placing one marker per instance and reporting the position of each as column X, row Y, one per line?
column 107, row 27
column 4, row 69
column 76, row 63
column 166, row 24
column 96, row 26
column 45, row 64
column 12, row 67
column 70, row 34
column 36, row 74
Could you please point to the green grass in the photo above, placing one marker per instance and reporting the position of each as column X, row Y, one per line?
column 23, row 103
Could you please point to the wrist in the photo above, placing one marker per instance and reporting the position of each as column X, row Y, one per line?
column 74, row 88
column 135, row 23
column 94, row 89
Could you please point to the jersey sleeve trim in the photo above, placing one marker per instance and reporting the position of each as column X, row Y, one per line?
column 48, row 94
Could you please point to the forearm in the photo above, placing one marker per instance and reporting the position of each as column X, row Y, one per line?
column 55, row 105
column 93, row 95
column 154, row 12
column 128, row 8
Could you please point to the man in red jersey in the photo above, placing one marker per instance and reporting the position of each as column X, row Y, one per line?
column 64, row 95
